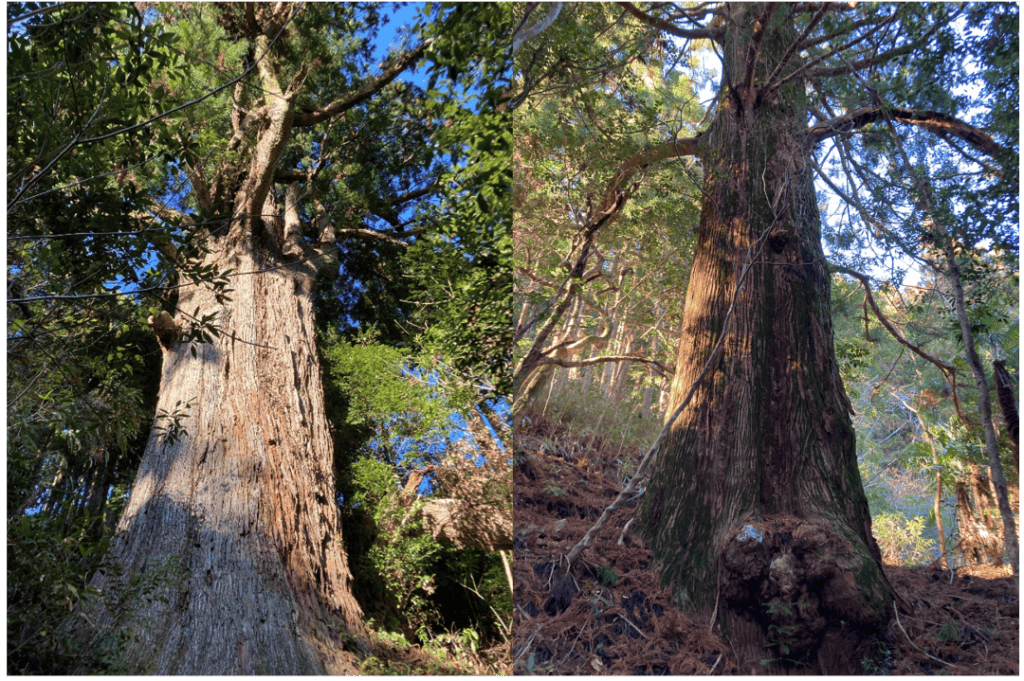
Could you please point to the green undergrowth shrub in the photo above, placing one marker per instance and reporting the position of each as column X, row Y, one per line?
column 399, row 558
column 454, row 602
column 901, row 539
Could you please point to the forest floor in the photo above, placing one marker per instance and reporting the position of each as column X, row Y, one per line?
column 393, row 655
column 612, row 616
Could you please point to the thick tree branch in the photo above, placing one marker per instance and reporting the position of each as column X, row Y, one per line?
column 754, row 47
column 270, row 146
column 932, row 121
column 371, row 87
column 414, row 194
column 665, row 27
column 522, row 33
column 612, row 203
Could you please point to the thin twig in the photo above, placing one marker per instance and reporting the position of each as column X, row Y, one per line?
column 625, row 530
column 716, row 664
column 528, row 642
column 582, row 629
column 714, row 613
column 634, row 626
column 896, row 610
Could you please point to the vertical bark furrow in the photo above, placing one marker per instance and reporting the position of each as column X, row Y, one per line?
column 230, row 499
column 768, row 435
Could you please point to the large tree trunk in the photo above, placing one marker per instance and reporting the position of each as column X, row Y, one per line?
column 755, row 506
column 241, row 510
column 235, row 523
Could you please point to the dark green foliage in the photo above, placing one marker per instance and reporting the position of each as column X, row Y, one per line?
column 391, row 416
column 463, row 267
column 405, row 580
column 38, row 600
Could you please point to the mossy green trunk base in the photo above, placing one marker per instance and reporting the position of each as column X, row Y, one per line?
column 814, row 597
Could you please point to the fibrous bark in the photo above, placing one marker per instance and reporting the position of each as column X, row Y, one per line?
column 979, row 534
column 233, row 519
column 243, row 504
column 755, row 503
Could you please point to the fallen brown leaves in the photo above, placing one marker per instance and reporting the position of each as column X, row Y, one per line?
column 610, row 614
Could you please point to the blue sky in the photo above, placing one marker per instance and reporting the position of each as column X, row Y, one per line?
column 401, row 17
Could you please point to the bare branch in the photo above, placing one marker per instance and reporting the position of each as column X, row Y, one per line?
column 933, row 121
column 610, row 204
column 524, row 33
column 948, row 370
column 665, row 27
column 665, row 371
column 29, row 15
column 372, row 234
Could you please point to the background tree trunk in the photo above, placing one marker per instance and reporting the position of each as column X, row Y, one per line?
column 755, row 505
column 237, row 519
column 979, row 534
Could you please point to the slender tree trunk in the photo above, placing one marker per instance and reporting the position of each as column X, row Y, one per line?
column 755, row 505
column 664, row 394
column 985, row 410
column 952, row 274
column 588, row 373
column 574, row 330
column 937, row 506
column 1007, row 404
column 619, row 378
column 645, row 405
column 649, row 387
column 237, row 520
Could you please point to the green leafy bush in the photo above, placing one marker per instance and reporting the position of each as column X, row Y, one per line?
column 900, row 539
column 402, row 554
